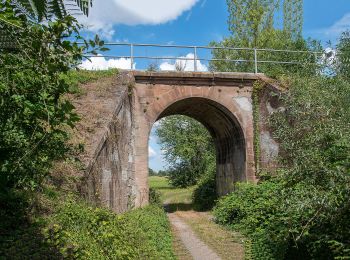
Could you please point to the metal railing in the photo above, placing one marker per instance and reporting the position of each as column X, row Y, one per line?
column 255, row 54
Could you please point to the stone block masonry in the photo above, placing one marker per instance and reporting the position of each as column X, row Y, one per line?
column 118, row 173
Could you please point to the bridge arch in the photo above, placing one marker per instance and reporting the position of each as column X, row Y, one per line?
column 217, row 107
column 227, row 134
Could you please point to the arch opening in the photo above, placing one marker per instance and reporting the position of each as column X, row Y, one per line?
column 226, row 132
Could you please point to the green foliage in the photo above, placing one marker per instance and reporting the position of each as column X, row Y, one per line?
column 252, row 209
column 188, row 147
column 271, row 39
column 257, row 87
column 163, row 173
column 34, row 116
column 21, row 236
column 302, row 212
column 154, row 197
column 293, row 18
column 343, row 55
column 252, row 24
column 63, row 227
column 83, row 232
column 76, row 77
column 205, row 195
column 42, row 10
column 249, row 18
column 152, row 172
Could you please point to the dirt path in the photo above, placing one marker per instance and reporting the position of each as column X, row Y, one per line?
column 228, row 245
column 196, row 235
column 196, row 247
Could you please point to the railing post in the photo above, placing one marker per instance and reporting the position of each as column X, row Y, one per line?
column 255, row 60
column 131, row 56
column 195, row 59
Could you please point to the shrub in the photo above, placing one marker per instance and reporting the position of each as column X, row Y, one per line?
column 81, row 231
column 301, row 212
column 251, row 209
column 205, row 194
column 154, row 197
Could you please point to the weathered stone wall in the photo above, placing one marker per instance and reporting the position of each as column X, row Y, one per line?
column 117, row 176
column 109, row 179
column 269, row 98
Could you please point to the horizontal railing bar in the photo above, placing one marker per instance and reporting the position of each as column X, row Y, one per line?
column 191, row 59
column 203, row 47
column 164, row 58
column 171, row 46
column 280, row 62
column 291, row 51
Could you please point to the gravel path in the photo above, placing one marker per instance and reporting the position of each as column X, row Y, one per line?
column 194, row 245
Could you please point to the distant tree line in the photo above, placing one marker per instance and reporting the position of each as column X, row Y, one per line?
column 162, row 173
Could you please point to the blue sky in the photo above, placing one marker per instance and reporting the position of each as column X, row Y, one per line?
column 190, row 22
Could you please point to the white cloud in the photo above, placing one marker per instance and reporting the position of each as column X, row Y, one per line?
column 186, row 65
column 338, row 27
column 105, row 14
column 100, row 63
column 151, row 152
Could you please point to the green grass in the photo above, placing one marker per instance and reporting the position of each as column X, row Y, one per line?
column 85, row 76
column 76, row 77
column 175, row 198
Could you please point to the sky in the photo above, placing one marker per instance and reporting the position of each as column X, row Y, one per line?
column 187, row 22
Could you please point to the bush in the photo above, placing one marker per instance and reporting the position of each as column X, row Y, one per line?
column 251, row 209
column 34, row 115
column 302, row 212
column 205, row 194
column 81, row 231
column 154, row 197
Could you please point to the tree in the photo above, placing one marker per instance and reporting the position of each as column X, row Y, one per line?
column 252, row 24
column 249, row 18
column 17, row 13
column 342, row 58
column 41, row 10
column 188, row 149
column 34, row 115
column 151, row 172
column 163, row 173
column 293, row 18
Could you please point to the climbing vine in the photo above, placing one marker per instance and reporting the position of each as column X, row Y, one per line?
column 257, row 87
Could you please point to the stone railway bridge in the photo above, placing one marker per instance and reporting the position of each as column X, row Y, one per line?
column 223, row 102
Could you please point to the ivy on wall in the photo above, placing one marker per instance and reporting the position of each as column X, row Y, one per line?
column 257, row 87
